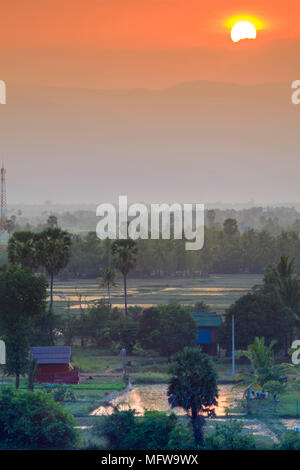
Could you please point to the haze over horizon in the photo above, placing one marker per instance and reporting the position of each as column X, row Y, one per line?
column 187, row 143
column 149, row 99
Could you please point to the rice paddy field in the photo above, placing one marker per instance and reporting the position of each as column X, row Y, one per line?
column 219, row 291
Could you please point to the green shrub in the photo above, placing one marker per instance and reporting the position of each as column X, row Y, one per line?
column 228, row 436
column 59, row 392
column 34, row 421
column 290, row 441
column 154, row 431
column 181, row 438
column 119, row 429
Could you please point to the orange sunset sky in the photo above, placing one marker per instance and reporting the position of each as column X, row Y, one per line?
column 149, row 98
column 144, row 43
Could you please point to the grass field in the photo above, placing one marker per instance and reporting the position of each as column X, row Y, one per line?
column 219, row 291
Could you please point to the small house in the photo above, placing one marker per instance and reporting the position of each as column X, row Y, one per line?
column 207, row 324
column 54, row 365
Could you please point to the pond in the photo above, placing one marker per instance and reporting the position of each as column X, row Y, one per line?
column 154, row 397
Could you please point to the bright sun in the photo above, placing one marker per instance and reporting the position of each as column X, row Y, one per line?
column 243, row 30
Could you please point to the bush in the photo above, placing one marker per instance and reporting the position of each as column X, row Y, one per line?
column 154, row 431
column 34, row 421
column 119, row 429
column 290, row 441
column 229, row 436
column 59, row 392
column 181, row 439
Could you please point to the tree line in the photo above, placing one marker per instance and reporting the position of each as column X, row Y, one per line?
column 225, row 251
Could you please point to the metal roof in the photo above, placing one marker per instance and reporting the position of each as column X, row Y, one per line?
column 52, row 354
column 207, row 319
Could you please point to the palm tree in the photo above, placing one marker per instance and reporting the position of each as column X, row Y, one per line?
column 124, row 253
column 282, row 281
column 22, row 250
column 108, row 280
column 54, row 249
column 263, row 370
column 193, row 386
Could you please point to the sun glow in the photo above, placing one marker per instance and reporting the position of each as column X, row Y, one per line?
column 243, row 30
column 244, row 27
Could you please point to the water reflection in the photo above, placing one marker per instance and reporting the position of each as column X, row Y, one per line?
column 154, row 397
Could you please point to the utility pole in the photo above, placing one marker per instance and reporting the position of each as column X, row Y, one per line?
column 233, row 349
column 3, row 209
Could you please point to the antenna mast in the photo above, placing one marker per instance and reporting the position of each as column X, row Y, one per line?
column 3, row 207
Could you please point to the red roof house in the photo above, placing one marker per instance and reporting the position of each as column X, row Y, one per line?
column 54, row 365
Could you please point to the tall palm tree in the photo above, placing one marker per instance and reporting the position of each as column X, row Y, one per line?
column 282, row 281
column 54, row 250
column 22, row 250
column 108, row 280
column 124, row 253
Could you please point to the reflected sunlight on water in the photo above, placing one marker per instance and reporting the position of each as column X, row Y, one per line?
column 154, row 397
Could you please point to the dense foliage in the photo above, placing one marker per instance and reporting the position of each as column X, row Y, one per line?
column 167, row 329
column 34, row 421
column 256, row 314
column 230, row 436
column 154, row 431
column 22, row 301
column 247, row 252
column 290, row 441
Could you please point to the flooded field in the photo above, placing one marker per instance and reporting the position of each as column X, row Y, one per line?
column 219, row 291
column 154, row 397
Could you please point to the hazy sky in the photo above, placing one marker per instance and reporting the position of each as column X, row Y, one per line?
column 181, row 143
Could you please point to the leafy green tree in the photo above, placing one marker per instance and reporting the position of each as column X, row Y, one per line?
column 54, row 247
column 229, row 436
column 106, row 326
column 22, row 250
column 32, row 371
column 108, row 280
column 167, row 328
column 34, row 421
column 22, row 299
column 282, row 281
column 256, row 314
column 230, row 227
column 124, row 253
column 201, row 307
column 52, row 221
column 193, row 386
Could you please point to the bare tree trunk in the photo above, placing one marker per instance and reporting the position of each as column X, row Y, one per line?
column 197, row 423
column 17, row 380
column 125, row 296
column 51, row 291
column 109, row 298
